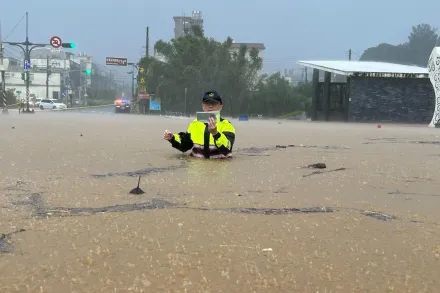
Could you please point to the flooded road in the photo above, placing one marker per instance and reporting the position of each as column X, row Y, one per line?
column 261, row 222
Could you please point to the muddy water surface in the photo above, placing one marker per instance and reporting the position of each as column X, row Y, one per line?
column 369, row 222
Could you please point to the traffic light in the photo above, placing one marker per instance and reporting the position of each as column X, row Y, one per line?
column 88, row 71
column 68, row 45
column 25, row 75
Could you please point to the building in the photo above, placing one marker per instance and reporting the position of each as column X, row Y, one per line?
column 45, row 78
column 235, row 47
column 362, row 91
column 183, row 24
column 64, row 73
column 38, row 86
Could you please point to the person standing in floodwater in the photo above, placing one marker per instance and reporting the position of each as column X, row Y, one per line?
column 210, row 140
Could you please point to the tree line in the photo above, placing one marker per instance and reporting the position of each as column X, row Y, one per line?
column 416, row 51
column 193, row 64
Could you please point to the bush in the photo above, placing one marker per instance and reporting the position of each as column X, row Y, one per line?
column 100, row 102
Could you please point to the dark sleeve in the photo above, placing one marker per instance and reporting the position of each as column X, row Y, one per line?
column 224, row 141
column 182, row 142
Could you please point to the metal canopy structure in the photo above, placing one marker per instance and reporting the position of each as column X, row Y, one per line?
column 367, row 68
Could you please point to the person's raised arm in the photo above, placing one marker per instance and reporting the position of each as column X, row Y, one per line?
column 224, row 140
column 180, row 141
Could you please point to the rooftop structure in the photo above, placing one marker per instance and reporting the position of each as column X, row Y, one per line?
column 258, row 46
column 367, row 68
column 183, row 24
column 364, row 91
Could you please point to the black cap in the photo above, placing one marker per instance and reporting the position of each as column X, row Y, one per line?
column 212, row 96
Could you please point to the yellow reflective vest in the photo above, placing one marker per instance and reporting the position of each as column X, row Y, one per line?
column 203, row 144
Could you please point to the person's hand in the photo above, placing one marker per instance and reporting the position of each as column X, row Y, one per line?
column 212, row 126
column 168, row 135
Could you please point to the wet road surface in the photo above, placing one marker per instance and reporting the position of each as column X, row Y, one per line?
column 261, row 222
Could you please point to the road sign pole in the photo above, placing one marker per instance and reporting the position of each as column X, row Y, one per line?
column 5, row 104
column 2, row 69
column 27, row 48
column 27, row 57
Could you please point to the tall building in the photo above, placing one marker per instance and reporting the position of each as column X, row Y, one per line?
column 183, row 24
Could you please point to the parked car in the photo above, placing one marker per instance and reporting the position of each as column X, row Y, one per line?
column 122, row 105
column 51, row 104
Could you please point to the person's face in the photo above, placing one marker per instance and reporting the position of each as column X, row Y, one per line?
column 210, row 106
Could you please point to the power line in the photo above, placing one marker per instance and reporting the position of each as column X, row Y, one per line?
column 15, row 27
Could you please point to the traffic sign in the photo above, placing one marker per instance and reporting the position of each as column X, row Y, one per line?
column 116, row 61
column 55, row 42
column 18, row 92
column 27, row 65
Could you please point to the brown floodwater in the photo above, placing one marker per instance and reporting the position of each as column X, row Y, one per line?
column 369, row 222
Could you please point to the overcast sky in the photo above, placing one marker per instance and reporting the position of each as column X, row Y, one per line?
column 290, row 29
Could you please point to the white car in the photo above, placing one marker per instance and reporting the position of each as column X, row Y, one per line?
column 37, row 102
column 52, row 104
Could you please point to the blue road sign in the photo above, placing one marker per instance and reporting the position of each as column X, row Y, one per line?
column 27, row 64
column 154, row 103
column 64, row 94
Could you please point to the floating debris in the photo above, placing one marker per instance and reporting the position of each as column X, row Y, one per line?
column 398, row 192
column 137, row 173
column 316, row 166
column 137, row 190
column 280, row 211
column 322, row 172
column 5, row 244
column 260, row 150
column 378, row 216
column 63, row 212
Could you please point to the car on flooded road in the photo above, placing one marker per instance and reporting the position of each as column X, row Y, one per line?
column 52, row 104
column 122, row 105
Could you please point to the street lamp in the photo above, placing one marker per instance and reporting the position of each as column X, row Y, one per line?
column 132, row 84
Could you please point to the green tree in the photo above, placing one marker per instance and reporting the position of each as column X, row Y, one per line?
column 422, row 39
column 11, row 98
column 275, row 96
column 198, row 64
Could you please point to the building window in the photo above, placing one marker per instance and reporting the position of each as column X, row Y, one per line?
column 55, row 95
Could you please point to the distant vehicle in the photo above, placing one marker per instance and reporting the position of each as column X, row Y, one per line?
column 122, row 105
column 37, row 102
column 51, row 104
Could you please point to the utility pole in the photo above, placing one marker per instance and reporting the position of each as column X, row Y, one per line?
column 133, row 66
column 147, row 43
column 186, row 91
column 132, row 84
column 3, row 67
column 64, row 90
column 48, row 72
column 27, row 48
column 349, row 55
